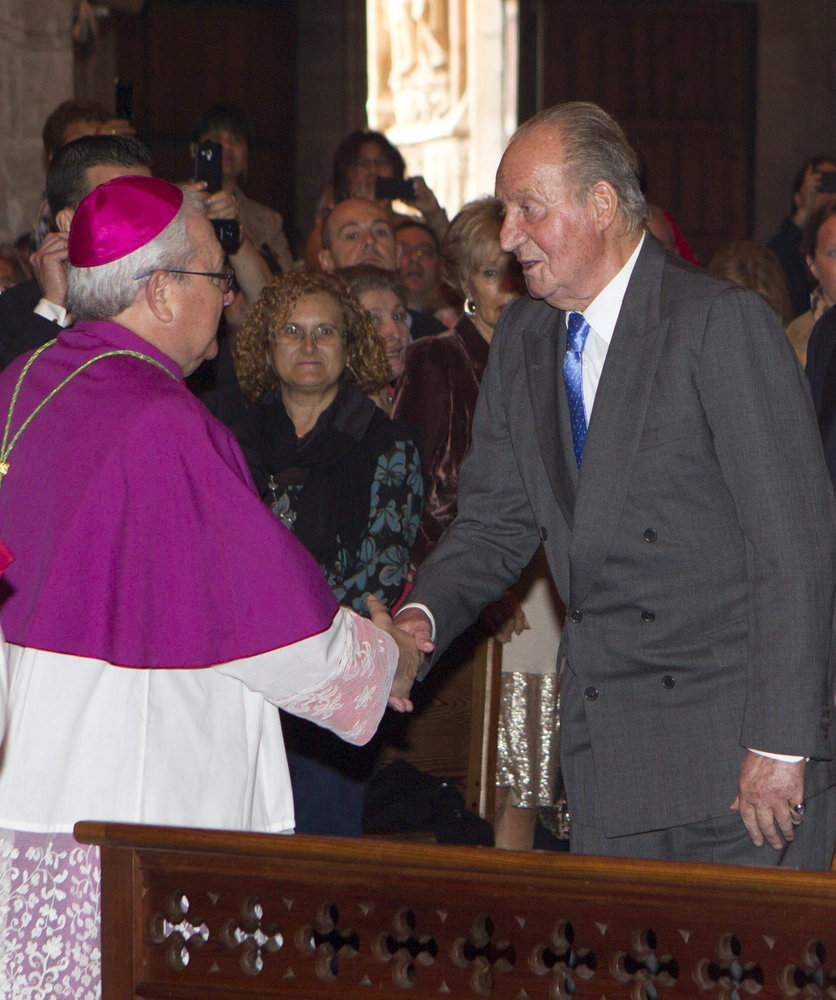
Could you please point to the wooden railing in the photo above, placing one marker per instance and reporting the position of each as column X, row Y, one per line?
column 190, row 914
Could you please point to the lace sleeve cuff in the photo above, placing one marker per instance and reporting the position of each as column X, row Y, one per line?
column 351, row 702
column 339, row 679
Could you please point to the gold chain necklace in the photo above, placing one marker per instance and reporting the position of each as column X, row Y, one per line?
column 6, row 446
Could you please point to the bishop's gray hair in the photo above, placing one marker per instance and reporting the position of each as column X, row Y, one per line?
column 595, row 148
column 106, row 290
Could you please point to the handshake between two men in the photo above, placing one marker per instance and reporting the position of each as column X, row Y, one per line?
column 414, row 641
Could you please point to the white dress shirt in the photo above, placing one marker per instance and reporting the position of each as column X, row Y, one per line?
column 602, row 315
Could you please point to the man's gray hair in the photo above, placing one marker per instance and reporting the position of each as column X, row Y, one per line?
column 595, row 149
column 105, row 291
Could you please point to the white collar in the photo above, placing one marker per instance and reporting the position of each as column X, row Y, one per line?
column 602, row 312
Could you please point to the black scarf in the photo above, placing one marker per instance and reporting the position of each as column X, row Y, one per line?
column 333, row 463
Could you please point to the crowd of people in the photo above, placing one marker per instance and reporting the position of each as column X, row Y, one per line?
column 223, row 470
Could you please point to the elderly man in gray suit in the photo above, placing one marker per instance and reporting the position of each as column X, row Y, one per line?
column 649, row 424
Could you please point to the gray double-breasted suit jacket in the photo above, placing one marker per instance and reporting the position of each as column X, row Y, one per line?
column 694, row 549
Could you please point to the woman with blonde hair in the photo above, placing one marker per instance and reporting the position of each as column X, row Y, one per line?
column 338, row 473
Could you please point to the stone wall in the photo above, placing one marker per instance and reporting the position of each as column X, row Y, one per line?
column 450, row 105
column 36, row 74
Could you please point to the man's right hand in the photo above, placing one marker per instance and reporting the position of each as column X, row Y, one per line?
column 767, row 791
column 49, row 266
column 419, row 626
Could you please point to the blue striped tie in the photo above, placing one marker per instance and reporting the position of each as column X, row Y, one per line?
column 578, row 328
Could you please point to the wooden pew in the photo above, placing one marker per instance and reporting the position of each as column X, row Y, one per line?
column 190, row 914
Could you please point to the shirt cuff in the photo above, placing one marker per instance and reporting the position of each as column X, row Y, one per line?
column 49, row 310
column 787, row 758
column 425, row 609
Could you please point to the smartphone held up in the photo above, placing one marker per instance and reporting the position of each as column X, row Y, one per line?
column 208, row 159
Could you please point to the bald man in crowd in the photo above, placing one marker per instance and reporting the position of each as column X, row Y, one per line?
column 357, row 231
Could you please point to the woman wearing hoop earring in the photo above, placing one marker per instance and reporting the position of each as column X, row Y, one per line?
column 440, row 383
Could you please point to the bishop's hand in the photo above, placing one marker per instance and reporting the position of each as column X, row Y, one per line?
column 410, row 657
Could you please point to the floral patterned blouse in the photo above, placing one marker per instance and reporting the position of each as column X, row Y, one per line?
column 380, row 563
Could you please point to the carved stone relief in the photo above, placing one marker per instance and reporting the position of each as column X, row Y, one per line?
column 438, row 74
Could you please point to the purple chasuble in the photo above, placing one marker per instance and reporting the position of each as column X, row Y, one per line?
column 137, row 533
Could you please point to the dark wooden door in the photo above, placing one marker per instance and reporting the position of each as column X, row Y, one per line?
column 680, row 78
column 183, row 56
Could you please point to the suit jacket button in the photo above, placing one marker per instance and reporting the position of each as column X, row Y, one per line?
column 648, row 616
column 668, row 682
column 544, row 534
column 576, row 616
column 651, row 534
column 591, row 693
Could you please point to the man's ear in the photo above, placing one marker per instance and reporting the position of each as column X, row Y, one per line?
column 158, row 291
column 605, row 203
column 326, row 261
column 63, row 219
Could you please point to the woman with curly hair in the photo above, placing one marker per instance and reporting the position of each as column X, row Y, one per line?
column 338, row 473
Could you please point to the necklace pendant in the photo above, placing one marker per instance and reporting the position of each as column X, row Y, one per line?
column 4, row 468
